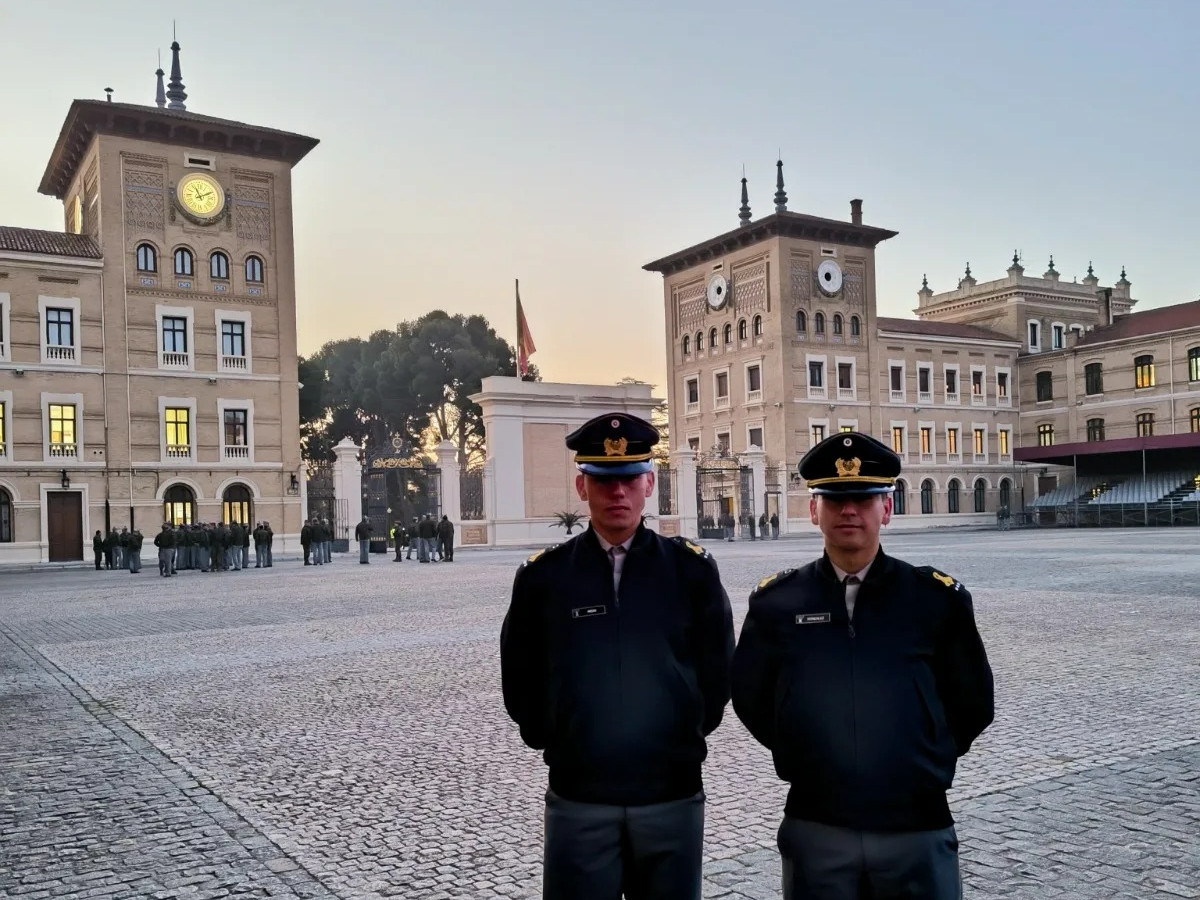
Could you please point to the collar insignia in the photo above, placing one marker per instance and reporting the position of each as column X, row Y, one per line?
column 615, row 448
column 848, row 468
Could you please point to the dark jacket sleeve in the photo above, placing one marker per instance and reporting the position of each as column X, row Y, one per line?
column 522, row 661
column 714, row 656
column 964, row 676
column 755, row 672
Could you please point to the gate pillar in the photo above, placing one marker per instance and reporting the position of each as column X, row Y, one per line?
column 683, row 461
column 451, row 487
column 347, row 483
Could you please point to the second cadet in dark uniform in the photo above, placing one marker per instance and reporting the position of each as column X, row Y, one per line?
column 867, row 679
column 615, row 658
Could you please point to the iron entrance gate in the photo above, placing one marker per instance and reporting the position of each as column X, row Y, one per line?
column 724, row 497
column 397, row 489
column 324, row 504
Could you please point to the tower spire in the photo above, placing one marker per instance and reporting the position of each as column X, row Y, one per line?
column 160, row 92
column 744, row 210
column 175, row 91
column 780, row 194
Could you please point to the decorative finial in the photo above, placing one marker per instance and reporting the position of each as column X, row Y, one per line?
column 175, row 92
column 744, row 211
column 1090, row 272
column 1124, row 282
column 968, row 269
column 924, row 282
column 108, row 94
column 1016, row 258
column 780, row 195
column 160, row 92
column 1052, row 262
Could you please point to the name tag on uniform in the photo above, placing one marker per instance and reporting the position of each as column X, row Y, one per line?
column 586, row 612
column 813, row 618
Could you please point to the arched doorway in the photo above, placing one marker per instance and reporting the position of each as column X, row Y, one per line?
column 952, row 492
column 1006, row 493
column 980, row 495
column 237, row 504
column 6, row 517
column 179, row 505
column 926, row 497
column 900, row 498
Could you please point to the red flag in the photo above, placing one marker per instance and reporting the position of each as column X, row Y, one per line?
column 525, row 347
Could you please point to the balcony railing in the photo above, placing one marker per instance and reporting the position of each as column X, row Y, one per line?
column 925, row 396
column 978, row 399
column 176, row 360
column 1004, row 400
column 59, row 353
column 691, row 408
column 237, row 451
column 954, row 457
column 845, row 393
column 64, row 449
column 816, row 392
column 926, row 457
column 897, row 396
column 721, row 402
column 237, row 363
column 179, row 451
column 754, row 396
column 952, row 398
column 980, row 458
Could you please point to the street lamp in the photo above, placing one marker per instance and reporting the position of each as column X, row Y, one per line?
column 65, row 480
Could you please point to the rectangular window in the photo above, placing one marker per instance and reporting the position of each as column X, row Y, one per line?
column 845, row 429
column 60, row 327
column 926, row 440
column 235, row 428
column 951, row 382
column 1002, row 435
column 952, row 442
column 1045, row 387
column 925, row 382
column 898, row 439
column 1034, row 336
column 1193, row 364
column 1143, row 372
column 693, row 443
column 1095, row 429
column 816, row 374
column 62, row 429
column 977, row 382
column 754, row 379
column 897, row 377
column 693, row 392
column 1093, row 378
column 723, row 441
column 722, row 383
column 755, row 437
column 3, row 440
column 978, row 434
column 1002, row 384
column 1060, row 337
column 1194, row 419
column 177, row 421
column 233, row 338
column 845, row 377
column 1045, row 435
column 1145, row 424
column 818, row 434
column 174, row 334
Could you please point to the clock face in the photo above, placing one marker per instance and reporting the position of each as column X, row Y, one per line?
column 718, row 291
column 201, row 196
column 829, row 277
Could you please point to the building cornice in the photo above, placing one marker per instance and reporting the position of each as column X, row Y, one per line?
column 43, row 261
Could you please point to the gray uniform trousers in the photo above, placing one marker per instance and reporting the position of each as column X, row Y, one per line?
column 598, row 852
column 824, row 862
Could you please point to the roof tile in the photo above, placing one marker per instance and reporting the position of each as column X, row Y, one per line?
column 52, row 243
column 1148, row 321
column 941, row 329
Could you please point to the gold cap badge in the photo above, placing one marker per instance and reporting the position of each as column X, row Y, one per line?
column 848, row 468
column 615, row 448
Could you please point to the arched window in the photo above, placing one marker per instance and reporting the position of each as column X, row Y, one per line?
column 218, row 265
column 147, row 258
column 699, row 341
column 900, row 498
column 742, row 330
column 758, row 326
column 1194, row 364
column 254, row 270
column 6, row 517
column 819, row 323
column 179, row 505
column 1005, row 492
column 1143, row 371
column 926, row 497
column 801, row 321
column 855, row 326
column 952, row 495
column 837, row 323
column 980, row 495
column 236, row 504
column 687, row 344
column 712, row 338
column 183, row 261
column 729, row 332
column 1194, row 419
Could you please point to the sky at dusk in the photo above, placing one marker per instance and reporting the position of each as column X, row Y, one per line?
column 465, row 144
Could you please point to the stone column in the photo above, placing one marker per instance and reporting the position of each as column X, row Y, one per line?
column 447, row 457
column 756, row 459
column 683, row 461
column 347, row 478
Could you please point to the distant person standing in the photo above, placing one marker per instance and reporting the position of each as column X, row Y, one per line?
column 270, row 545
column 774, row 526
column 134, row 552
column 306, row 540
column 414, row 540
column 362, row 534
column 98, row 548
column 165, row 542
column 446, row 539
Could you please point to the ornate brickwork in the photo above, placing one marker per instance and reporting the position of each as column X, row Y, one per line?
column 853, row 288
column 749, row 287
column 253, row 221
column 145, row 196
column 801, row 280
column 689, row 301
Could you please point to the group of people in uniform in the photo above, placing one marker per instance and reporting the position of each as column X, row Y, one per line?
column 433, row 541
column 316, row 539
column 118, row 550
column 865, row 677
column 213, row 547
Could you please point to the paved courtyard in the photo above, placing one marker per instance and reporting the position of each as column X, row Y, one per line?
column 339, row 732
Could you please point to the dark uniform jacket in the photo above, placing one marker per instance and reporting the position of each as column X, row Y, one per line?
column 866, row 719
column 618, row 688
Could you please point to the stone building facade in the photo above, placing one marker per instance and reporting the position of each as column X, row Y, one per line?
column 148, row 353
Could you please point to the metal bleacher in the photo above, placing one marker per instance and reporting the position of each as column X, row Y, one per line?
column 1080, row 490
column 1128, row 500
column 1155, row 487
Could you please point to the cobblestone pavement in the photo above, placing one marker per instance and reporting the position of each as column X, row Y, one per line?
column 339, row 732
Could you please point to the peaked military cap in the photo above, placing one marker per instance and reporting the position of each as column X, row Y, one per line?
column 850, row 463
column 613, row 445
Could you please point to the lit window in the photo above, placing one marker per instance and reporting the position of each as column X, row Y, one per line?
column 62, row 429
column 1145, row 424
column 183, row 261
column 1003, row 437
column 898, row 439
column 1045, row 435
column 978, row 434
column 178, row 428
column 845, row 429
column 147, row 258
column 1143, row 372
column 254, row 270
column 818, row 434
column 1194, row 364
column 952, row 441
column 1194, row 419
column 218, row 265
column 926, row 440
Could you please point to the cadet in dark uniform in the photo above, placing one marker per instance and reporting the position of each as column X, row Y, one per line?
column 615, row 658
column 867, row 679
